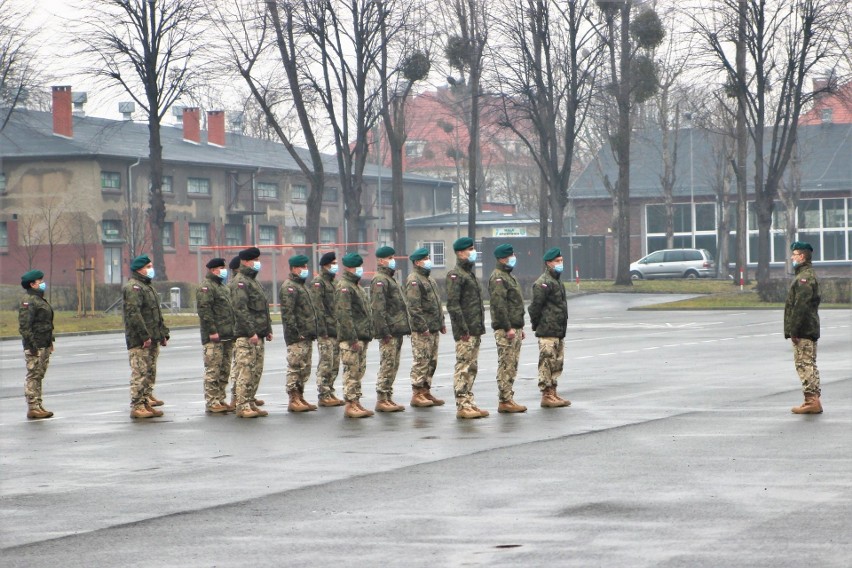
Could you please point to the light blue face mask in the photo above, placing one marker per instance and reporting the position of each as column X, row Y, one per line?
column 392, row 264
column 512, row 262
column 256, row 266
column 223, row 274
column 559, row 268
column 304, row 273
column 42, row 286
column 427, row 264
column 795, row 263
column 359, row 272
column 334, row 268
column 472, row 256
column 150, row 273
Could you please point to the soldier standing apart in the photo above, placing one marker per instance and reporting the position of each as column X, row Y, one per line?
column 801, row 326
column 217, row 335
column 464, row 303
column 300, row 330
column 35, row 324
column 322, row 294
column 145, row 332
column 233, row 268
column 549, row 317
column 507, row 321
column 253, row 326
column 354, row 332
column 390, row 325
column 427, row 320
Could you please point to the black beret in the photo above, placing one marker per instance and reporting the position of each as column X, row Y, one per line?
column 216, row 263
column 235, row 263
column 352, row 260
column 462, row 243
column 250, row 253
column 504, row 250
column 328, row 258
column 298, row 260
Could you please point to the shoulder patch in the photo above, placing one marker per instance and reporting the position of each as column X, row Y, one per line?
column 414, row 283
column 543, row 285
column 204, row 288
column 291, row 289
column 454, row 276
column 380, row 283
column 804, row 280
column 135, row 287
column 241, row 285
column 345, row 290
column 498, row 280
column 25, row 304
column 317, row 285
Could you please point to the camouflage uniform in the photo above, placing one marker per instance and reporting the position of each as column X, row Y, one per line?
column 427, row 320
column 390, row 320
column 143, row 320
column 300, row 329
column 507, row 313
column 464, row 304
column 801, row 320
column 322, row 293
column 251, row 311
column 549, row 317
column 217, row 317
column 354, row 324
column 35, row 324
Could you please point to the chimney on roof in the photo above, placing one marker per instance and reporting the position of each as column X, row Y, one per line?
column 79, row 99
column 63, row 124
column 216, row 128
column 127, row 109
column 192, row 125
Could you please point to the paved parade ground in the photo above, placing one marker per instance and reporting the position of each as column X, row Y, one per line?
column 679, row 450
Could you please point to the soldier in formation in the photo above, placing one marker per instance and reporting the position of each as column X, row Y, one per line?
column 145, row 332
column 322, row 294
column 35, row 324
column 253, row 327
column 427, row 321
column 217, row 335
column 390, row 325
column 507, row 321
column 233, row 268
column 464, row 303
column 354, row 332
column 300, row 330
column 549, row 317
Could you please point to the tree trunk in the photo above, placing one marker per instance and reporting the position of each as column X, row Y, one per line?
column 314, row 208
column 157, row 212
column 622, row 187
column 398, row 211
column 742, row 147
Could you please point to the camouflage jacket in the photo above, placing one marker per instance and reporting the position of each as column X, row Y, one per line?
column 390, row 314
column 251, row 307
column 424, row 302
column 322, row 294
column 801, row 310
column 215, row 310
column 464, row 301
column 143, row 319
column 297, row 311
column 549, row 307
column 354, row 317
column 507, row 300
column 35, row 321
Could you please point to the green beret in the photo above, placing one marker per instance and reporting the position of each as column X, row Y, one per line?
column 462, row 243
column 504, row 250
column 801, row 245
column 139, row 262
column 31, row 276
column 419, row 254
column 298, row 260
column 551, row 253
column 385, row 252
column 352, row 260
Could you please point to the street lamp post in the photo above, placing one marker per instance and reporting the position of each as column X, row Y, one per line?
column 688, row 117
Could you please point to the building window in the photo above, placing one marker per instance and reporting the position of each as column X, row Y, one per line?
column 110, row 180
column 266, row 190
column 297, row 236
column 414, row 149
column 111, row 230
column 299, row 192
column 704, row 235
column 385, row 237
column 234, row 235
column 436, row 252
column 168, row 186
column 4, row 235
column 198, row 236
column 2, row 182
column 386, row 198
column 328, row 234
column 167, row 234
column 267, row 235
column 198, row 186
column 329, row 195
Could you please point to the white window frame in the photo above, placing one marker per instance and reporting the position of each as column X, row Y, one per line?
column 110, row 181
column 299, row 192
column 197, row 186
column 267, row 190
column 437, row 252
column 194, row 239
column 271, row 231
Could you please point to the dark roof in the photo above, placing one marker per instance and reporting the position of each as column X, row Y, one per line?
column 29, row 135
column 483, row 218
column 825, row 153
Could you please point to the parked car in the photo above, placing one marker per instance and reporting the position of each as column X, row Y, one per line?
column 674, row 263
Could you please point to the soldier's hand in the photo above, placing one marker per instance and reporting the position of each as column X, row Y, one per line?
column 356, row 346
column 147, row 344
column 443, row 329
column 164, row 342
column 214, row 337
column 51, row 347
column 269, row 337
column 523, row 335
column 465, row 337
column 33, row 351
column 510, row 334
column 254, row 339
column 427, row 333
column 386, row 339
column 795, row 340
column 325, row 336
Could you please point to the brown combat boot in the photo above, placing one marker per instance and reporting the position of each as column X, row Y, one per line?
column 154, row 411
column 247, row 412
column 435, row 401
column 510, row 406
column 154, row 401
column 482, row 413
column 550, row 400
column 468, row 413
column 38, row 413
column 253, row 405
column 419, row 398
column 330, row 401
column 259, row 402
column 305, row 402
column 296, row 402
column 812, row 405
column 218, row 408
column 355, row 410
column 559, row 398
column 141, row 412
column 387, row 405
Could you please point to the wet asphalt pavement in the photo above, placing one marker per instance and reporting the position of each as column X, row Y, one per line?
column 679, row 450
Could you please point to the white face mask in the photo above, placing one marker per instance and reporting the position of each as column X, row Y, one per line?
column 512, row 262
column 427, row 264
column 42, row 286
column 304, row 273
column 256, row 266
column 150, row 273
column 359, row 272
column 223, row 274
column 392, row 264
column 472, row 256
column 333, row 268
column 558, row 268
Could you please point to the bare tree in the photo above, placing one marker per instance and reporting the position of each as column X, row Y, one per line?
column 147, row 48
column 55, row 230
column 19, row 69
column 31, row 235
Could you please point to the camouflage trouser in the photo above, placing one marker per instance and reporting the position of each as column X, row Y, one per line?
column 551, row 358
column 804, row 357
column 232, row 376
column 424, row 349
column 467, row 358
column 328, row 366
column 217, row 369
column 143, row 373
column 388, row 366
column 248, row 359
column 299, row 365
column 354, row 367
column 508, row 352
column 36, row 368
